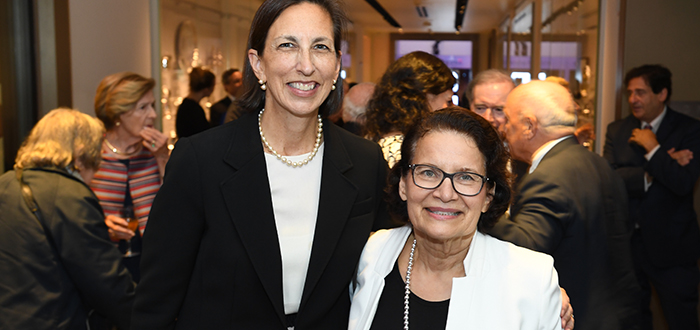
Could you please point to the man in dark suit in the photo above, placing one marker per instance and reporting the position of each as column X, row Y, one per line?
column 232, row 79
column 572, row 206
column 659, row 171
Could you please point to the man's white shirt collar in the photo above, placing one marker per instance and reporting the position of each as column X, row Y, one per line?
column 543, row 150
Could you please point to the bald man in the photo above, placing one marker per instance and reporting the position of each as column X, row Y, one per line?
column 571, row 205
column 354, row 106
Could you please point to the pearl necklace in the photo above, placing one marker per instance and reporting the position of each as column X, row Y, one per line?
column 116, row 151
column 408, row 286
column 319, row 135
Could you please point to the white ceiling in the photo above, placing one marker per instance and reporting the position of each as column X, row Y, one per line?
column 481, row 16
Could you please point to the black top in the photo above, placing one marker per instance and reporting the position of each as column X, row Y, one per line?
column 422, row 314
column 190, row 119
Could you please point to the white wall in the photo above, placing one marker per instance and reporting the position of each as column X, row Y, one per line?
column 106, row 37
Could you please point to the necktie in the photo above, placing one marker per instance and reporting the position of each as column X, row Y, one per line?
column 647, row 126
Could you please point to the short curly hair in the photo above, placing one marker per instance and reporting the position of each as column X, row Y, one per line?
column 400, row 98
column 118, row 93
column 462, row 121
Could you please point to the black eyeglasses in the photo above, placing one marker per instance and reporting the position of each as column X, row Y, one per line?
column 431, row 177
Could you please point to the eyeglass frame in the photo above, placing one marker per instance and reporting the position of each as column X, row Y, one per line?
column 494, row 109
column 484, row 179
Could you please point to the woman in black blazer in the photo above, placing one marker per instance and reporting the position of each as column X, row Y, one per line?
column 260, row 222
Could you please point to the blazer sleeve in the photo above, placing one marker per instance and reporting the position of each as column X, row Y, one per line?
column 632, row 175
column 537, row 221
column 170, row 244
column 551, row 302
column 90, row 258
column 666, row 171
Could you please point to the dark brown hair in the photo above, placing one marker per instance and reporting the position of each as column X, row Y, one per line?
column 656, row 76
column 462, row 121
column 201, row 79
column 400, row 98
column 253, row 98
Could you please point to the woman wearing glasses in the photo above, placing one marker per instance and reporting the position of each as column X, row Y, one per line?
column 440, row 271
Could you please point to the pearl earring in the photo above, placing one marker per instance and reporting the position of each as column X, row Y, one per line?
column 118, row 123
column 333, row 86
column 262, row 84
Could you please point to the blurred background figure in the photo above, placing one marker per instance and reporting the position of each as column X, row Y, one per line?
column 190, row 118
column 488, row 92
column 134, row 155
column 57, row 262
column 414, row 85
column 232, row 80
column 355, row 105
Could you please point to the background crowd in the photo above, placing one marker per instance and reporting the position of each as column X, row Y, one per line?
column 407, row 212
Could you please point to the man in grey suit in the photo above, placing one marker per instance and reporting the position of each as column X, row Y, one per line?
column 571, row 205
column 659, row 171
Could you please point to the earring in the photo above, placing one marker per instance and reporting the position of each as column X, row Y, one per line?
column 333, row 86
column 118, row 123
column 262, row 84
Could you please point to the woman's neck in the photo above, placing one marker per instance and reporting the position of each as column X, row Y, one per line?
column 125, row 143
column 442, row 256
column 435, row 264
column 289, row 135
column 196, row 96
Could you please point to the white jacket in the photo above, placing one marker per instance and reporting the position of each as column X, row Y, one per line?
column 506, row 287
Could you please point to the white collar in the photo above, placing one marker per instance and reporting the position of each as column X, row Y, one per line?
column 657, row 121
column 543, row 150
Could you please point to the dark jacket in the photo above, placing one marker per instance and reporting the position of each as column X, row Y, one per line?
column 211, row 256
column 665, row 215
column 574, row 207
column 43, row 286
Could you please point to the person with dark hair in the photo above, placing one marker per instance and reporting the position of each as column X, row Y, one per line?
column 441, row 270
column 190, row 118
column 232, row 80
column 57, row 263
column 260, row 223
column 652, row 149
column 411, row 87
column 572, row 206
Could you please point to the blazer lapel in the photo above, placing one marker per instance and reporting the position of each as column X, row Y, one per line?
column 666, row 127
column 464, row 288
column 249, row 203
column 338, row 195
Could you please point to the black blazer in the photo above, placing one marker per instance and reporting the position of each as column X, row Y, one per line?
column 211, row 257
column 574, row 207
column 665, row 214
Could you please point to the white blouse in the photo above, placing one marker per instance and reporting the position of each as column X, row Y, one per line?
column 295, row 196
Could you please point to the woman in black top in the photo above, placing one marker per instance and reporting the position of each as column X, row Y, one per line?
column 190, row 118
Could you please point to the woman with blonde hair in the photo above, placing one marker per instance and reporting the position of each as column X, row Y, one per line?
column 55, row 256
column 134, row 154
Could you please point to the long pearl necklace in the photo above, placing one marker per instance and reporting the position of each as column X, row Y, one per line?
column 116, row 151
column 319, row 135
column 408, row 286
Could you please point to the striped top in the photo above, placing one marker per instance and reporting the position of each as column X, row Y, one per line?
column 110, row 179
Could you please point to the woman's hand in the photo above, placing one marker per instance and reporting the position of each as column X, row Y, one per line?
column 567, row 311
column 118, row 228
column 155, row 141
